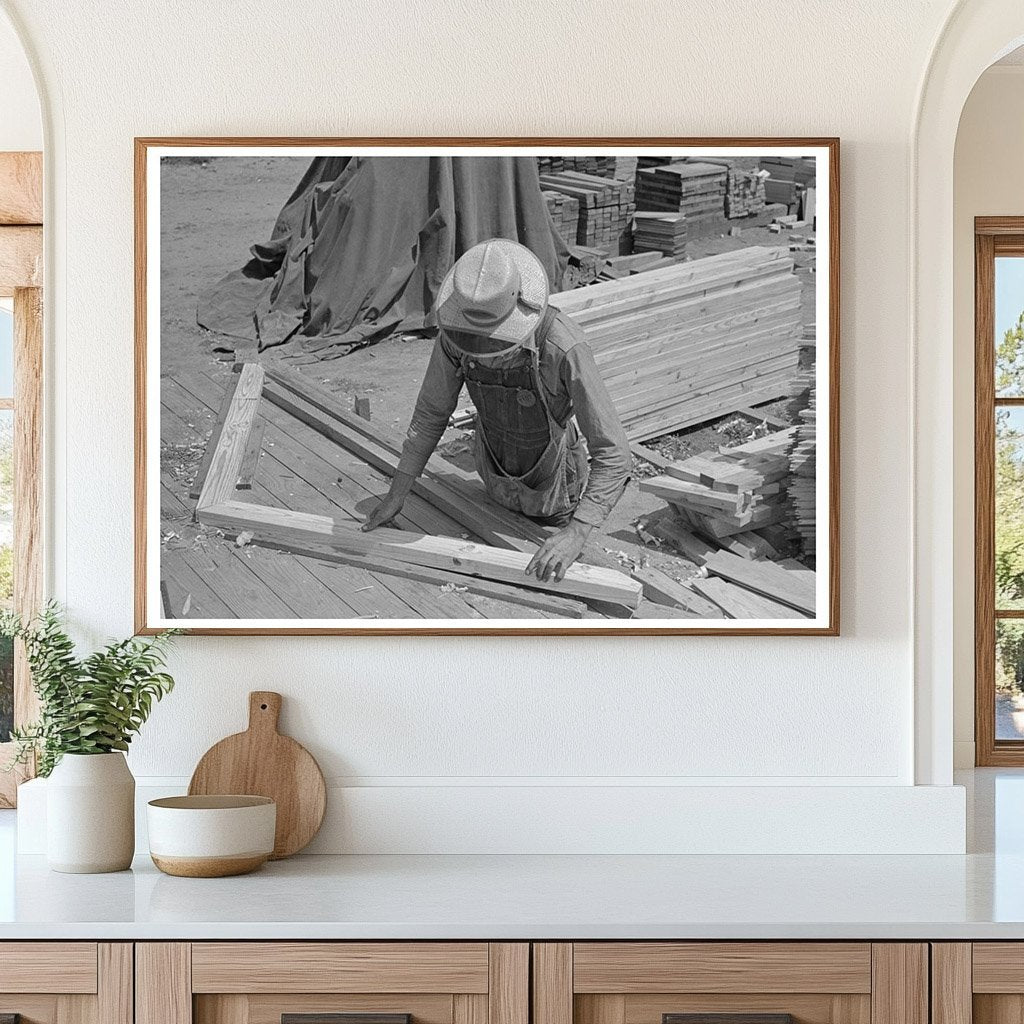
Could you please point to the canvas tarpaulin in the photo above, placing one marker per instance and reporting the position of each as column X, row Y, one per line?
column 363, row 244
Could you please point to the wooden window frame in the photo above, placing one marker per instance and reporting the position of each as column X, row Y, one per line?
column 21, row 278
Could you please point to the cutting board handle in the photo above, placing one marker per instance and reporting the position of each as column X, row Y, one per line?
column 264, row 710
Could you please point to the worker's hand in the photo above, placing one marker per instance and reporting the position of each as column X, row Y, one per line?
column 388, row 508
column 558, row 552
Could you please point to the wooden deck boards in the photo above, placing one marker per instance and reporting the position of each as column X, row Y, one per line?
column 207, row 576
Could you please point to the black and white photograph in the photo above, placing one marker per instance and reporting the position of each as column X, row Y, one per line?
column 476, row 388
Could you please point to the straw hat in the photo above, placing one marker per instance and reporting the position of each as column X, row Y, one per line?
column 497, row 289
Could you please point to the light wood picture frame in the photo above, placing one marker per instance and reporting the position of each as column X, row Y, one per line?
column 255, row 471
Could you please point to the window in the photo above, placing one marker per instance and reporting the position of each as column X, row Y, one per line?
column 999, row 490
column 21, row 371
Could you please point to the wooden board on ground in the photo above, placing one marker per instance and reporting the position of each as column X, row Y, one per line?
column 661, row 589
column 448, row 553
column 775, row 582
column 740, row 603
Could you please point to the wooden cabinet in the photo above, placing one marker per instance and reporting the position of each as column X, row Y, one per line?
column 980, row 982
column 648, row 982
column 66, row 982
column 260, row 982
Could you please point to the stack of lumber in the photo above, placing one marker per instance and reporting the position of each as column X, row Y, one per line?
column 801, row 485
column 734, row 584
column 565, row 213
column 694, row 189
column 789, row 178
column 799, row 169
column 660, row 232
column 606, row 207
column 599, row 166
column 653, row 161
column 693, row 341
column 583, row 267
column 745, row 193
column 732, row 491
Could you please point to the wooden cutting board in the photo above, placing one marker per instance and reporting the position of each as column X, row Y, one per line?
column 262, row 762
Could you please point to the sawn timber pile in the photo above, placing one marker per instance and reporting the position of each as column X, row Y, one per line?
column 689, row 342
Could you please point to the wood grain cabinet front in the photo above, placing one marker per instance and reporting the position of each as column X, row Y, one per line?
column 978, row 983
column 730, row 983
column 332, row 983
column 66, row 982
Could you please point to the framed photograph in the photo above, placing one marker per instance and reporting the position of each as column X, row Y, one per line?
column 499, row 386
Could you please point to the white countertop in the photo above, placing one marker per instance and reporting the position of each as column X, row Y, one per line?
column 977, row 896
column 516, row 897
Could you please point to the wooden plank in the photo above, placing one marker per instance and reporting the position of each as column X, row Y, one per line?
column 765, row 578
column 764, row 417
column 668, row 529
column 561, row 607
column 951, row 997
column 28, row 484
column 660, row 588
column 339, row 967
column 739, row 603
column 508, row 991
column 66, row 967
column 449, row 553
column 229, row 450
column 163, row 983
column 656, row 459
column 214, row 439
column 682, row 491
column 115, row 983
column 251, row 455
column 628, row 967
column 899, row 990
column 21, row 188
column 552, row 983
column 21, row 259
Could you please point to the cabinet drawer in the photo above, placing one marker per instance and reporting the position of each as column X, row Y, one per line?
column 332, row 983
column 65, row 967
column 730, row 983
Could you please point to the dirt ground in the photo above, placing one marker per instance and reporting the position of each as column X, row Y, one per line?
column 214, row 210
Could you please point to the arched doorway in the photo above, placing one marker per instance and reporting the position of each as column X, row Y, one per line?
column 977, row 33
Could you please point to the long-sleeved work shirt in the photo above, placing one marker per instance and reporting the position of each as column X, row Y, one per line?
column 572, row 386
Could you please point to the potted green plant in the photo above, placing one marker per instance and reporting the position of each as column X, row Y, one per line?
column 90, row 708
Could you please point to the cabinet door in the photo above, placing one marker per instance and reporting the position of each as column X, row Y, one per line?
column 332, row 983
column 66, row 982
column 730, row 983
column 981, row 982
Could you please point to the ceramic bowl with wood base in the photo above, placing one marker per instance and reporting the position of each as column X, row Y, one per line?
column 211, row 836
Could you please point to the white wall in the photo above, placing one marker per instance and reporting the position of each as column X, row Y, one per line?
column 429, row 716
column 988, row 180
column 21, row 126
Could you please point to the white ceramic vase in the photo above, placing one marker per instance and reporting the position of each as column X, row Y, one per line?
column 90, row 814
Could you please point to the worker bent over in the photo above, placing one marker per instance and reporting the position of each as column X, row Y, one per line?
column 535, row 385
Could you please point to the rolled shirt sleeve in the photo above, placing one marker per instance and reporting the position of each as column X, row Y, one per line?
column 610, row 461
column 438, row 397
